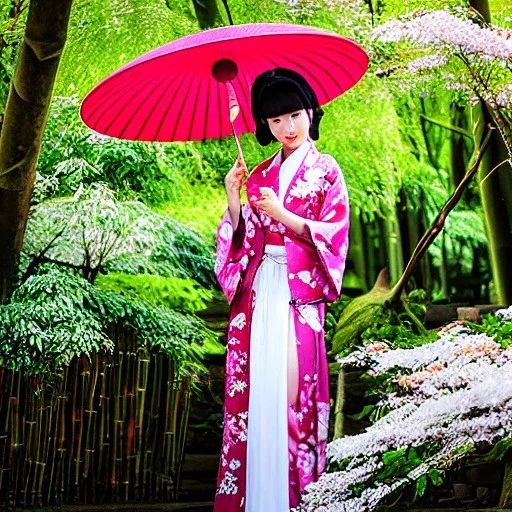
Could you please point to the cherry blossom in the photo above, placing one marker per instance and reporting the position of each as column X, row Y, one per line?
column 444, row 403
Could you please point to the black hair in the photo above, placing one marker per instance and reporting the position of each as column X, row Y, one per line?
column 280, row 91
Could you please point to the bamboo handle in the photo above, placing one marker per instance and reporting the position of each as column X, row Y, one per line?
column 234, row 110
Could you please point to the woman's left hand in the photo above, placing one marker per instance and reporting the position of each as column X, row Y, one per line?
column 269, row 203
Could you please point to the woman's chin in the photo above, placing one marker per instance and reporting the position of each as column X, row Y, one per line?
column 292, row 145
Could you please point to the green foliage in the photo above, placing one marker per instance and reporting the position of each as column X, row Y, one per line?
column 399, row 463
column 129, row 28
column 94, row 232
column 494, row 326
column 399, row 335
column 72, row 155
column 374, row 159
column 126, row 28
column 12, row 25
column 394, row 9
column 332, row 315
column 184, row 295
column 55, row 316
column 183, row 180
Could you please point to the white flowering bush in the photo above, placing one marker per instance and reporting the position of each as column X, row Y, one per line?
column 456, row 48
column 438, row 411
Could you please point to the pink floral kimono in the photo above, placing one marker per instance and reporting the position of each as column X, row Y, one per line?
column 315, row 264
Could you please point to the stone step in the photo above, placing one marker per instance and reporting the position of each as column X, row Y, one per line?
column 200, row 463
column 414, row 509
column 202, row 490
column 136, row 507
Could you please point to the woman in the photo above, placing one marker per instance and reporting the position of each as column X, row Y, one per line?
column 279, row 259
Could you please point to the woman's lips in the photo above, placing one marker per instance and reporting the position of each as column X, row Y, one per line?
column 290, row 139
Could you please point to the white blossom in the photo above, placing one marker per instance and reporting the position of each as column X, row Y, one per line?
column 427, row 62
column 445, row 31
column 444, row 403
column 505, row 314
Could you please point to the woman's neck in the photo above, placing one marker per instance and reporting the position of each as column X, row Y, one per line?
column 285, row 153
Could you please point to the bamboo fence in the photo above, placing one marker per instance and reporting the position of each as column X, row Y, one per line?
column 110, row 430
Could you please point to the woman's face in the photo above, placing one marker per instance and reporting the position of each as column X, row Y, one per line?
column 291, row 130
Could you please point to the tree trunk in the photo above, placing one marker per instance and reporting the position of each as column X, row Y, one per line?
column 460, row 153
column 24, row 123
column 496, row 194
column 394, row 246
column 506, row 489
column 482, row 6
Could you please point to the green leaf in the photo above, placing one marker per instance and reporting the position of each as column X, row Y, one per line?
column 391, row 457
column 413, row 456
column 421, row 486
column 436, row 476
column 367, row 409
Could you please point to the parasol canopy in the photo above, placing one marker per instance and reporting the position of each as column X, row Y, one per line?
column 179, row 91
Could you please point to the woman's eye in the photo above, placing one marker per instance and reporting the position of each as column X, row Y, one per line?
column 276, row 121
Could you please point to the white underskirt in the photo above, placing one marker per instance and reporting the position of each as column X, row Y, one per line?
column 267, row 433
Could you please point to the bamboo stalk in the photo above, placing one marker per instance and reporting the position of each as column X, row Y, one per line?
column 60, row 439
column 24, row 122
column 142, row 382
column 91, row 418
column 42, row 445
column 104, row 405
column 182, row 431
column 340, row 405
column 117, row 426
column 30, row 441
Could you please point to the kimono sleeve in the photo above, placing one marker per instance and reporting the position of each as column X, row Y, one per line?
column 329, row 232
column 233, row 251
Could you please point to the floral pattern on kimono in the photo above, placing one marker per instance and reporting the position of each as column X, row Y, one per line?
column 315, row 265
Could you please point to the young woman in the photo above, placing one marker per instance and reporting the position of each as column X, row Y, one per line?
column 279, row 259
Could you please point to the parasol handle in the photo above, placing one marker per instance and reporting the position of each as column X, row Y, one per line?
column 234, row 110
column 238, row 145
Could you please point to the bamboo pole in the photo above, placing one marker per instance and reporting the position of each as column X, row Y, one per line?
column 24, row 122
column 72, row 444
column 340, row 405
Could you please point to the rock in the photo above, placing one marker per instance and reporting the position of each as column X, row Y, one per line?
column 466, row 313
column 461, row 491
column 482, row 494
column 486, row 475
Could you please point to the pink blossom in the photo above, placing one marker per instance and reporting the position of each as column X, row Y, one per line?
column 427, row 62
column 445, row 31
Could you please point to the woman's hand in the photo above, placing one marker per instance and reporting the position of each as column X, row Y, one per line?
column 233, row 182
column 235, row 179
column 270, row 204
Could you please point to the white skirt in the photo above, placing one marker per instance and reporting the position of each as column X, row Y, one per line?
column 267, row 433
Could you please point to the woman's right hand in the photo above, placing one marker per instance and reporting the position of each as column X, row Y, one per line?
column 235, row 179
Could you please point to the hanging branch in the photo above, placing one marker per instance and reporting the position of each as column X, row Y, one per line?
column 437, row 226
column 228, row 12
column 38, row 258
column 447, row 126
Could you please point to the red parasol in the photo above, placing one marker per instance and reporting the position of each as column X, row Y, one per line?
column 179, row 91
